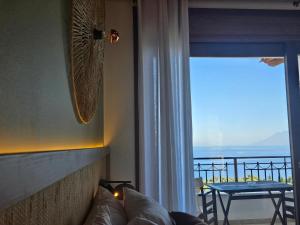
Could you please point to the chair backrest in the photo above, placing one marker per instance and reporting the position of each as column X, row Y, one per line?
column 290, row 207
column 207, row 205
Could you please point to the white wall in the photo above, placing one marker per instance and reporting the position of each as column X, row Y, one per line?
column 119, row 91
column 36, row 106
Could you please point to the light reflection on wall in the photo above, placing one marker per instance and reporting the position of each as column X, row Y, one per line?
column 47, row 140
column 32, row 149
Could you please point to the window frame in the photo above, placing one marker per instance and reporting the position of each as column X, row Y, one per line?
column 255, row 33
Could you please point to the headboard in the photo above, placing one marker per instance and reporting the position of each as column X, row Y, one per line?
column 49, row 188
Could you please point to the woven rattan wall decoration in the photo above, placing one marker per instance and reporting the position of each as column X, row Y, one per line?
column 87, row 55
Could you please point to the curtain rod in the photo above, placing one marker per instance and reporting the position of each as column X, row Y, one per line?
column 252, row 4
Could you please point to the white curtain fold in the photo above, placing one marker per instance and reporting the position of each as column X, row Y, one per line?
column 166, row 157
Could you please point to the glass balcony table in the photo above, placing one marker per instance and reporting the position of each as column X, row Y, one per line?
column 251, row 190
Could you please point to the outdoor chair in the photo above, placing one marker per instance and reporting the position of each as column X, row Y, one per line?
column 208, row 211
column 290, row 207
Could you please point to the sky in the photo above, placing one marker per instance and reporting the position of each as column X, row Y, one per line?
column 236, row 101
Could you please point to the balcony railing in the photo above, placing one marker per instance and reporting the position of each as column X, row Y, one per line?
column 243, row 169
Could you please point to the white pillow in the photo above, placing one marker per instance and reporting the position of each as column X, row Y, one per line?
column 141, row 221
column 116, row 210
column 99, row 215
column 138, row 205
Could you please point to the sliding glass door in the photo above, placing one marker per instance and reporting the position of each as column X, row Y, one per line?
column 221, row 69
column 292, row 60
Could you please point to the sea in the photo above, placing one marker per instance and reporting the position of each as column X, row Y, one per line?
column 241, row 151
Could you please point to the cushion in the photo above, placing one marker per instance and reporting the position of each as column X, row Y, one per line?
column 116, row 210
column 141, row 221
column 181, row 218
column 138, row 205
column 99, row 215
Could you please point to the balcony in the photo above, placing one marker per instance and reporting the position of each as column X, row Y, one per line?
column 244, row 169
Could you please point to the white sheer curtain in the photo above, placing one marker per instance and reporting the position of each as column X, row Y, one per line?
column 166, row 159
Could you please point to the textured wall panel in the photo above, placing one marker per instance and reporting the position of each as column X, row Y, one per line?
column 63, row 203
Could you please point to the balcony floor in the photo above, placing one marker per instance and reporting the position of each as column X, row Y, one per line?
column 259, row 223
column 291, row 223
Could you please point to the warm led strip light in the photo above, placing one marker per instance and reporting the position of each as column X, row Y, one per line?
column 20, row 150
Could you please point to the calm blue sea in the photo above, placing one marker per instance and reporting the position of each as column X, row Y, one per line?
column 241, row 151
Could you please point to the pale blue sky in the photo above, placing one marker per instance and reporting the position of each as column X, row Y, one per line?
column 236, row 101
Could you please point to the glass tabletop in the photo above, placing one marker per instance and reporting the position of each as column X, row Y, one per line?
column 251, row 186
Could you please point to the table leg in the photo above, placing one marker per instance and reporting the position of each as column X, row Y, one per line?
column 225, row 211
column 214, row 198
column 277, row 209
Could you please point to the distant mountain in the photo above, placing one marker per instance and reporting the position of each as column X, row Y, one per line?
column 277, row 139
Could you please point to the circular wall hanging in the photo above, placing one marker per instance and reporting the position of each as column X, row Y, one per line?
column 87, row 54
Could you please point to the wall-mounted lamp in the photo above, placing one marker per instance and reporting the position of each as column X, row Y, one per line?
column 117, row 191
column 87, row 43
column 113, row 36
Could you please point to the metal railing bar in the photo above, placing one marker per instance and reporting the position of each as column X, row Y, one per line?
column 237, row 170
